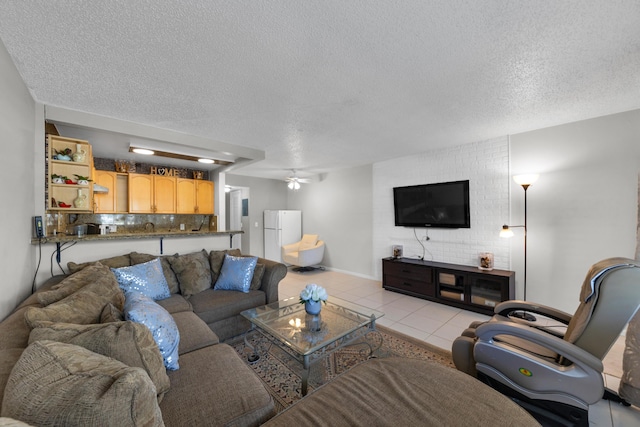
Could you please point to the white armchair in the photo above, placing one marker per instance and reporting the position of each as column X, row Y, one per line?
column 304, row 254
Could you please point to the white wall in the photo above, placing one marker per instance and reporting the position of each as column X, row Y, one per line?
column 338, row 208
column 17, row 127
column 486, row 165
column 583, row 207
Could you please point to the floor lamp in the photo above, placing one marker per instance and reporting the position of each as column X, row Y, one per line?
column 525, row 181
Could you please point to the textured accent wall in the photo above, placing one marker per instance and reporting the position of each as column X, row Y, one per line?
column 486, row 165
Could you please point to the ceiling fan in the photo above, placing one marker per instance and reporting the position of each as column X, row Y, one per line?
column 293, row 181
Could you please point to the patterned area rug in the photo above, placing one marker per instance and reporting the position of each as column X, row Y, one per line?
column 282, row 374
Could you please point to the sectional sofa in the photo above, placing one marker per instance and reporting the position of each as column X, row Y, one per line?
column 98, row 347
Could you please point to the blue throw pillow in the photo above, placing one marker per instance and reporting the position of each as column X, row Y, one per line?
column 236, row 273
column 140, row 308
column 147, row 278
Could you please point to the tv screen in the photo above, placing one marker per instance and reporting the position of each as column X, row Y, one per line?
column 441, row 205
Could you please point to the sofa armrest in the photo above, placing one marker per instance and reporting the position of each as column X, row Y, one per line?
column 274, row 272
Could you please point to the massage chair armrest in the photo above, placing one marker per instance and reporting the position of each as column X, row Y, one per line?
column 506, row 307
column 489, row 330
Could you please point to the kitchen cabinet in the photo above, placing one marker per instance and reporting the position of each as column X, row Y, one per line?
column 152, row 193
column 116, row 200
column 63, row 190
column 194, row 196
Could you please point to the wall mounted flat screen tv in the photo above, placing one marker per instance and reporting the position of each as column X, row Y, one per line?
column 441, row 205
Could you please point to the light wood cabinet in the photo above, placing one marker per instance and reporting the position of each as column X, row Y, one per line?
column 164, row 192
column 116, row 200
column 152, row 193
column 204, row 197
column 105, row 203
column 68, row 194
column 194, row 196
column 186, row 200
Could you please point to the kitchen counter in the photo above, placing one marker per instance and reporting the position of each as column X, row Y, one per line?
column 62, row 238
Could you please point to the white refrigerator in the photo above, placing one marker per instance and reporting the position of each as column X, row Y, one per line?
column 281, row 228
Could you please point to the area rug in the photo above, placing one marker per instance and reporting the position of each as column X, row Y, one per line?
column 282, row 374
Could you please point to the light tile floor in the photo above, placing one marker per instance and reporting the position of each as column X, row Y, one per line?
column 439, row 325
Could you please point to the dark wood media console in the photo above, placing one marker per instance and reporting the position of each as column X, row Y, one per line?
column 456, row 285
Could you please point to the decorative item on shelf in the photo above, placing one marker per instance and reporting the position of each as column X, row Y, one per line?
column 80, row 156
column 397, row 251
column 312, row 296
column 64, row 155
column 124, row 166
column 83, row 180
column 198, row 174
column 486, row 261
column 58, row 179
column 80, row 201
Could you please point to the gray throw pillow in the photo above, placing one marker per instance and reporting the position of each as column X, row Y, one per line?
column 129, row 342
column 193, row 272
column 114, row 262
column 63, row 384
column 83, row 306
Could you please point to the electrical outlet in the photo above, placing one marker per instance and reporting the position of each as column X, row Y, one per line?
column 181, row 227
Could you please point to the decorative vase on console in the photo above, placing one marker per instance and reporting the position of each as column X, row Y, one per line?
column 312, row 296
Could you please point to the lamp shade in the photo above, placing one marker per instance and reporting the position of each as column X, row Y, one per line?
column 526, row 179
column 506, row 231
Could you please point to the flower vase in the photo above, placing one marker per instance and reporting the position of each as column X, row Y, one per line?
column 313, row 307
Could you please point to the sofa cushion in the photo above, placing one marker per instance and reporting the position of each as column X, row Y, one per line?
column 212, row 306
column 146, row 278
column 169, row 275
column 193, row 272
column 398, row 391
column 194, row 333
column 236, row 273
column 14, row 330
column 129, row 342
column 256, row 280
column 8, row 359
column 62, row 384
column 115, row 262
column 85, row 305
column 111, row 313
column 175, row 304
column 71, row 284
column 216, row 258
column 10, row 422
column 142, row 309
column 215, row 387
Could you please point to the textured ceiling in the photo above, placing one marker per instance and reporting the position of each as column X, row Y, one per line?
column 328, row 84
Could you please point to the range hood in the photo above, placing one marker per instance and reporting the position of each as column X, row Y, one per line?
column 97, row 188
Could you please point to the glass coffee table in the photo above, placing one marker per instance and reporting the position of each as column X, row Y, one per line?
column 307, row 337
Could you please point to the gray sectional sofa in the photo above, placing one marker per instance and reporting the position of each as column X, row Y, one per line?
column 68, row 357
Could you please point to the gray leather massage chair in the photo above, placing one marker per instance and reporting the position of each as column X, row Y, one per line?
column 551, row 364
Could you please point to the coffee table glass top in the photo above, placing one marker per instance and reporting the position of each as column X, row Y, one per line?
column 287, row 321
